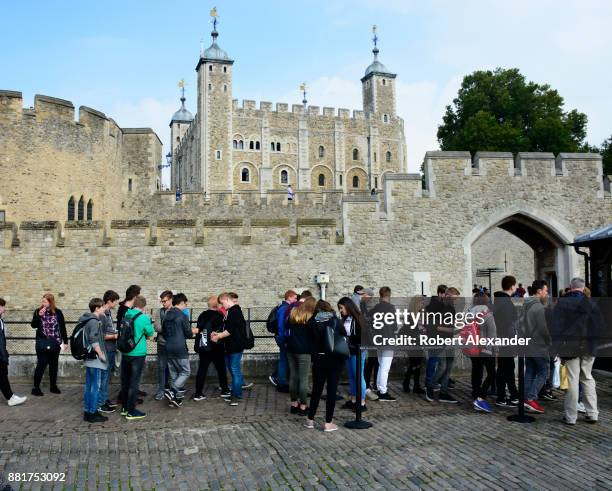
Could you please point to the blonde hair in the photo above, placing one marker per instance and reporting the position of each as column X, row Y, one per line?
column 213, row 302
column 303, row 312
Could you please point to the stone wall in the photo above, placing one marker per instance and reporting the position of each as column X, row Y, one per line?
column 46, row 157
column 400, row 237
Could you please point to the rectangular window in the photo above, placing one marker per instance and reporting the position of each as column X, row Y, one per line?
column 376, row 182
column 218, row 155
column 2, row 216
column 340, row 176
column 130, row 184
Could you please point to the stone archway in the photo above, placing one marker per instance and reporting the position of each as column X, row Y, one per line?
column 546, row 235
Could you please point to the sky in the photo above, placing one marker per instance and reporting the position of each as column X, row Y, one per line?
column 125, row 58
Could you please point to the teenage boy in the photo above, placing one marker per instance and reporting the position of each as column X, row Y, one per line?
column 109, row 329
column 165, row 299
column 126, row 304
column 176, row 329
column 5, row 386
column 385, row 356
column 538, row 361
column 95, row 367
column 506, row 317
column 132, row 363
column 233, row 337
column 279, row 377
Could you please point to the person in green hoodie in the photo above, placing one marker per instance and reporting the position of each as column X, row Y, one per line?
column 132, row 363
column 538, row 361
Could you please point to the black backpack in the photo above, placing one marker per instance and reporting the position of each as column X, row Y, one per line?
column 249, row 338
column 126, row 342
column 272, row 321
column 78, row 347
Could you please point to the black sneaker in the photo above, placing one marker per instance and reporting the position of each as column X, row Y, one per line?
column 350, row 405
column 199, row 397
column 273, row 380
column 303, row 412
column 97, row 418
column 283, row 388
column 176, row 402
column 501, row 402
column 386, row 397
column 513, row 402
column 105, row 408
column 548, row 396
column 451, row 383
column 294, row 410
column 55, row 390
column 418, row 390
column 37, row 392
column 247, row 386
column 226, row 395
column 233, row 401
column 135, row 414
column 447, row 398
column 429, row 394
column 111, row 404
column 364, row 408
column 168, row 394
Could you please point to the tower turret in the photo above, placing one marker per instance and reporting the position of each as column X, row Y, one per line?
column 378, row 87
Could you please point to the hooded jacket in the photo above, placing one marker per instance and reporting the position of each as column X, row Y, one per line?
column 536, row 328
column 176, row 329
column 488, row 328
column 235, row 324
column 209, row 321
column 318, row 331
column 94, row 337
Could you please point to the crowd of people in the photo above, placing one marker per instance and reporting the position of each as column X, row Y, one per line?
column 316, row 341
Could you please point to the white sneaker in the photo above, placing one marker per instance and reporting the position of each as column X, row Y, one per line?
column 15, row 400
column 371, row 395
column 580, row 407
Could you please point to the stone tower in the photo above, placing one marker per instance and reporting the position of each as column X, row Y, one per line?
column 179, row 124
column 378, row 88
column 215, row 118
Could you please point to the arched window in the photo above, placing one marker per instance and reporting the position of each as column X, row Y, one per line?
column 321, row 180
column 224, row 69
column 321, row 151
column 388, row 156
column 385, row 118
column 235, row 144
column 210, row 68
column 355, row 181
column 71, row 208
column 245, row 175
column 240, row 145
column 355, row 154
column 257, row 146
column 251, row 145
column 90, row 207
column 384, row 82
column 284, row 177
column 340, row 177
column 130, row 184
column 272, row 146
column 209, row 86
column 225, row 88
column 278, row 147
column 81, row 209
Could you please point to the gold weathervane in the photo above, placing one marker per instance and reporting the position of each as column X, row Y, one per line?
column 181, row 83
column 213, row 12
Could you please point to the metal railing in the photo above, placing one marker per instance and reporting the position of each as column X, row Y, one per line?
column 21, row 337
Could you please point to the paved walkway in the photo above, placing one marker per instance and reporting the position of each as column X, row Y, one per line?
column 258, row 445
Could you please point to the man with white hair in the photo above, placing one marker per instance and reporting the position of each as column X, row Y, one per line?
column 576, row 323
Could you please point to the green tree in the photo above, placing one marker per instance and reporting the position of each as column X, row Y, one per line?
column 499, row 111
column 606, row 152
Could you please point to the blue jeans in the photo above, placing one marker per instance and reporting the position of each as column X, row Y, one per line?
column 536, row 373
column 351, row 367
column 91, row 393
column 432, row 364
column 280, row 373
column 106, row 376
column 233, row 361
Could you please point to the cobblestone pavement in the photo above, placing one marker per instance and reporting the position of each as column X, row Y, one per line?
column 258, row 445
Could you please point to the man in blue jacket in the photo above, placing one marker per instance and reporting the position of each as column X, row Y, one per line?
column 279, row 377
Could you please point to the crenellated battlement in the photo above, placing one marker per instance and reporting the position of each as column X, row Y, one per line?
column 297, row 110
